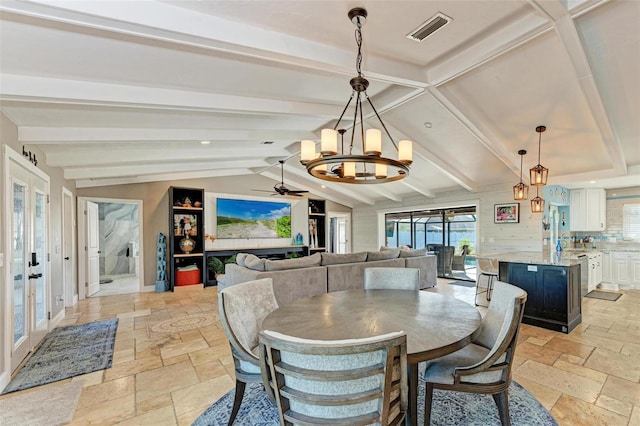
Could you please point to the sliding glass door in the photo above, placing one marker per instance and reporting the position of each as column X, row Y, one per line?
column 448, row 233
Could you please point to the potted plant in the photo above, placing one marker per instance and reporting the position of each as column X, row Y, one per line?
column 215, row 267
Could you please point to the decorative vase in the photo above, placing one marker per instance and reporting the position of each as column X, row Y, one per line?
column 187, row 244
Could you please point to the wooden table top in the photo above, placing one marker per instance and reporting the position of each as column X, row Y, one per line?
column 435, row 324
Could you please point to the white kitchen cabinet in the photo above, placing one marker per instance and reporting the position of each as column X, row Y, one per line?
column 588, row 210
column 606, row 268
column 595, row 270
column 625, row 269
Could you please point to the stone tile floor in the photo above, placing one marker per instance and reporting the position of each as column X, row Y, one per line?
column 171, row 375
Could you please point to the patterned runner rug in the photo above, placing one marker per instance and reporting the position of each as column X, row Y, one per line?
column 67, row 352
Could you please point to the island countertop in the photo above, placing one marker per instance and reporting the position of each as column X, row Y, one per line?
column 533, row 258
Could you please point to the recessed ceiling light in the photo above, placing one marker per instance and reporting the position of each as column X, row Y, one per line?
column 205, row 142
column 325, row 187
column 592, row 181
column 428, row 124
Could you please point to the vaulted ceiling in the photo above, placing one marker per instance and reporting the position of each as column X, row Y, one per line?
column 117, row 92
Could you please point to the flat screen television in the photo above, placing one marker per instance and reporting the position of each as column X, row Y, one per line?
column 252, row 219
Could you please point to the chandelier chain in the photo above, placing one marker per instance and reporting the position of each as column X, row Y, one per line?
column 358, row 35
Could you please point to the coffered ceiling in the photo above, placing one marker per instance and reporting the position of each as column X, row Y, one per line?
column 118, row 92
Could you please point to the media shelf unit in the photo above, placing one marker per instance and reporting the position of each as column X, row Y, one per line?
column 317, row 226
column 186, row 215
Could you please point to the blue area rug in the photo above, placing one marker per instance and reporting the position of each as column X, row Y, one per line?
column 67, row 352
column 448, row 408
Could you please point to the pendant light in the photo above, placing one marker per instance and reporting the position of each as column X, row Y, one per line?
column 538, row 174
column 521, row 191
column 537, row 203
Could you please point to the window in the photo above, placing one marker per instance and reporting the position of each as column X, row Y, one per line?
column 631, row 221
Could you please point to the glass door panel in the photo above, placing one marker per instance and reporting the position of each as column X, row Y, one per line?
column 18, row 266
column 39, row 248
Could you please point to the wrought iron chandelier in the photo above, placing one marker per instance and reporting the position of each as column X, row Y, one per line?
column 365, row 165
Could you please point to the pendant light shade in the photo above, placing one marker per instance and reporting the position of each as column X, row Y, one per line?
column 521, row 191
column 537, row 203
column 538, row 174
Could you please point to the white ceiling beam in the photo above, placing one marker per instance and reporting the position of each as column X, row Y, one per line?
column 427, row 193
column 176, row 25
column 599, row 176
column 87, row 183
column 73, row 135
column 158, row 168
column 81, row 157
column 21, row 88
column 570, row 39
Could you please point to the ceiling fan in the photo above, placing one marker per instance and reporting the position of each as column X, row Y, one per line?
column 280, row 188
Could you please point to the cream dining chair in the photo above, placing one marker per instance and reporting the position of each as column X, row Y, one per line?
column 483, row 366
column 392, row 279
column 242, row 308
column 345, row 382
column 487, row 268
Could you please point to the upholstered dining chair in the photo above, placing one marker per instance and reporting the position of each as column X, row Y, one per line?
column 483, row 366
column 458, row 259
column 347, row 382
column 392, row 279
column 242, row 308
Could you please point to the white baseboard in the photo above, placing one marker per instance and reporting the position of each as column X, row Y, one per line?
column 148, row 288
column 5, row 378
column 609, row 286
column 56, row 320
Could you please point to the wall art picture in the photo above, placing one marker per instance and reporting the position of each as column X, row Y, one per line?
column 252, row 219
column 506, row 213
column 185, row 224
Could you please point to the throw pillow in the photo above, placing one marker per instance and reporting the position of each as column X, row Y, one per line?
column 413, row 252
column 241, row 258
column 337, row 259
column 254, row 262
column 383, row 255
column 301, row 262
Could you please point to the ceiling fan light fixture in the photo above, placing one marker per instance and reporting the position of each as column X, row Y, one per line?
column 347, row 166
column 539, row 174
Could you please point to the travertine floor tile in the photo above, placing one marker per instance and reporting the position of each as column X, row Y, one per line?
column 621, row 389
column 160, row 417
column 106, row 391
column 560, row 380
column 128, row 368
column 614, row 363
column 566, row 346
column 545, row 395
column 201, row 395
column 571, row 411
column 106, row 412
column 538, row 353
column 614, row 405
column 580, row 370
column 165, row 380
column 175, row 349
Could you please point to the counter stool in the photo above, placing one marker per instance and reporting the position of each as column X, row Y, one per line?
column 489, row 269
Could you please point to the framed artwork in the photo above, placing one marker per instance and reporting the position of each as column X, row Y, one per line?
column 506, row 213
column 185, row 223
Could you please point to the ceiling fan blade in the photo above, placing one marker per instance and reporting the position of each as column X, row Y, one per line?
column 298, row 192
column 261, row 190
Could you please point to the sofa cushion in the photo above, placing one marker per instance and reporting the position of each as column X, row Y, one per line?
column 301, row 262
column 241, row 258
column 338, row 259
column 254, row 262
column 383, row 255
column 413, row 252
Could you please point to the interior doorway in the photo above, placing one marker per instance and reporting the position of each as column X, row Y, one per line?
column 339, row 232
column 118, row 227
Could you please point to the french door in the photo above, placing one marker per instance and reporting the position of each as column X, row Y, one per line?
column 28, row 194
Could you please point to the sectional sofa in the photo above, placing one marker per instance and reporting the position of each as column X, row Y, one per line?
column 320, row 273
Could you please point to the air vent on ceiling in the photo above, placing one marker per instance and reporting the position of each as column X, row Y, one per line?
column 429, row 27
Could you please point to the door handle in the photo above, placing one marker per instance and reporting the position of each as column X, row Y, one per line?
column 66, row 258
column 35, row 276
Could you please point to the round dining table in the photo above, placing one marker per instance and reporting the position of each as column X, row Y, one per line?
column 435, row 324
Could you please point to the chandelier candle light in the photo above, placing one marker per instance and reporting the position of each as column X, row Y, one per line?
column 366, row 167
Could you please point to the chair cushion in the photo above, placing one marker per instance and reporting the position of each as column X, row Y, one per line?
column 302, row 262
column 383, row 255
column 240, row 258
column 441, row 370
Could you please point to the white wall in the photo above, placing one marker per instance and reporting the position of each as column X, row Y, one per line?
column 368, row 221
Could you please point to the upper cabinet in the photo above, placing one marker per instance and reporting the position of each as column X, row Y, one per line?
column 588, row 209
